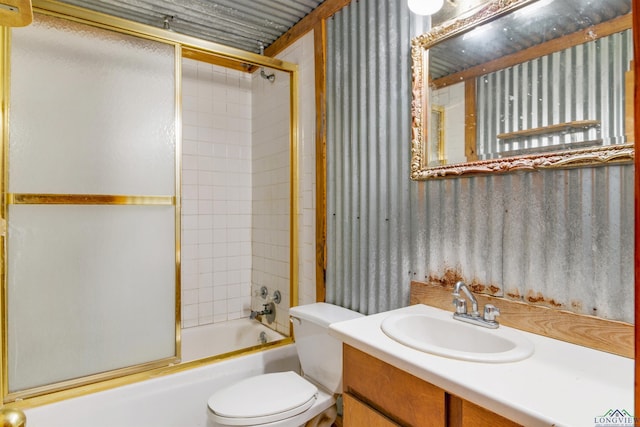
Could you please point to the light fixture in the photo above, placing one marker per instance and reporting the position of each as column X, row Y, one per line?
column 425, row 7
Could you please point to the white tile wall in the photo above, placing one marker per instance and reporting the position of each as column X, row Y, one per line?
column 216, row 194
column 235, row 188
column 271, row 175
column 271, row 183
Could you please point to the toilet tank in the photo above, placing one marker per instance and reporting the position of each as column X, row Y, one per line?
column 320, row 354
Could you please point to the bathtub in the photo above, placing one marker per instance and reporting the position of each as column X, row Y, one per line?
column 174, row 400
column 220, row 338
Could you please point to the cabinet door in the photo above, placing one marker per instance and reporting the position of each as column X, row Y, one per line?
column 463, row 413
column 359, row 414
column 404, row 398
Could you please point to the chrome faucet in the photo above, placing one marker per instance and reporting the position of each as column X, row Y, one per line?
column 467, row 292
column 488, row 320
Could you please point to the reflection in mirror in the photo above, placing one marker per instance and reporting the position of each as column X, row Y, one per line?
column 436, row 135
column 452, row 9
column 524, row 84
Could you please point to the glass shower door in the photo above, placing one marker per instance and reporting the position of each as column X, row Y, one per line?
column 92, row 210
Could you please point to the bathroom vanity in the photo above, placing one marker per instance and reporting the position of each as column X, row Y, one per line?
column 377, row 400
column 387, row 383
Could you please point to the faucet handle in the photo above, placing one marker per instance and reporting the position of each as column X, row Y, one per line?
column 490, row 312
column 460, row 305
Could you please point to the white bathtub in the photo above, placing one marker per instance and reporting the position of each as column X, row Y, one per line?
column 176, row 400
column 220, row 338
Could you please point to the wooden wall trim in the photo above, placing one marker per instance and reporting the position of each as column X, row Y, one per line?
column 320, row 55
column 199, row 55
column 635, row 10
column 470, row 121
column 588, row 331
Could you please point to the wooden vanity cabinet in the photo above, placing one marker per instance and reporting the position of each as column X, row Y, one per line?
column 390, row 392
column 462, row 413
column 377, row 394
column 358, row 413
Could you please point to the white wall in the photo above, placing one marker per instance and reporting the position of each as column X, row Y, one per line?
column 302, row 53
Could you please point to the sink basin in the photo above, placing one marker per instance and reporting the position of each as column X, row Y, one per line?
column 444, row 336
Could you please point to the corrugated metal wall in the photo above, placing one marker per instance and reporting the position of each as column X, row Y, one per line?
column 562, row 238
column 585, row 82
column 559, row 238
column 368, row 92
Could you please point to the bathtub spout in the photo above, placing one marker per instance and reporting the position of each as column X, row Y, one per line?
column 257, row 314
column 269, row 311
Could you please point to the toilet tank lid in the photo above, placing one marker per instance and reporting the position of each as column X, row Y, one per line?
column 323, row 314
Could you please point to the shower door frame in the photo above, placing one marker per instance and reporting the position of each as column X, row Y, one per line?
column 183, row 44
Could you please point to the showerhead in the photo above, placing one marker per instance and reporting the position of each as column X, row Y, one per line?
column 270, row 77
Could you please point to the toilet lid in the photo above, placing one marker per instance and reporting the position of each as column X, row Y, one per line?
column 262, row 399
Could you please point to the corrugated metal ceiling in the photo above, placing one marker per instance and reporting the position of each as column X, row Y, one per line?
column 243, row 24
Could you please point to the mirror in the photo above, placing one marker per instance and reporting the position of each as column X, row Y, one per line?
column 523, row 85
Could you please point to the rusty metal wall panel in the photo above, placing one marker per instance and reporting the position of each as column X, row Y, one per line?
column 559, row 238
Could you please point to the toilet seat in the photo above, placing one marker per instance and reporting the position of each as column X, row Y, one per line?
column 262, row 399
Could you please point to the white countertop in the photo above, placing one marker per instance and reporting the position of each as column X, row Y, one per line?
column 561, row 384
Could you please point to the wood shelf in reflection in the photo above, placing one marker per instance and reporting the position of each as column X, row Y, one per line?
column 551, row 129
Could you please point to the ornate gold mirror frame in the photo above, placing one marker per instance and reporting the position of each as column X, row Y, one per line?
column 422, row 169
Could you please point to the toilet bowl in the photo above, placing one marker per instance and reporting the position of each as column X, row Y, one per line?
column 283, row 399
column 287, row 399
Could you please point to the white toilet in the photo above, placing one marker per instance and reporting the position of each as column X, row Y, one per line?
column 286, row 399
